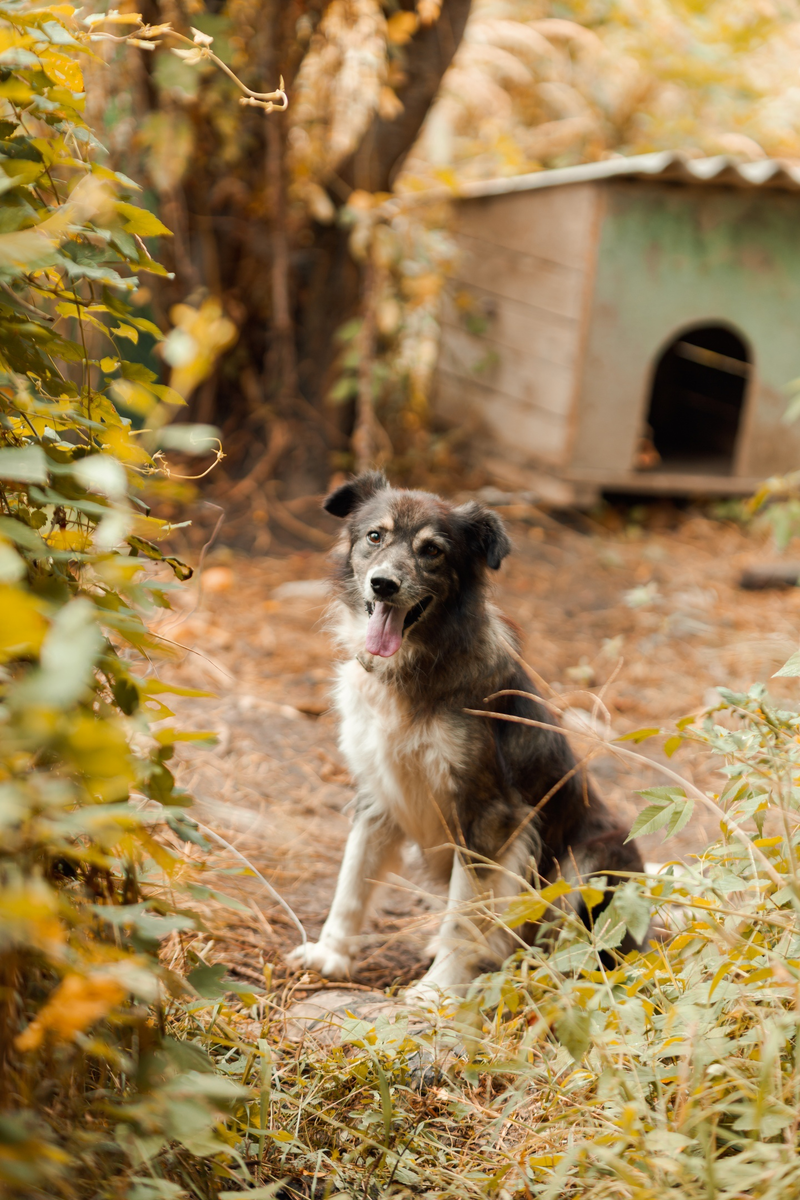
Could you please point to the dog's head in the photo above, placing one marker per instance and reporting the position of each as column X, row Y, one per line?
column 410, row 554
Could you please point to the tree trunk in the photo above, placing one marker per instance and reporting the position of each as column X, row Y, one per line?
column 288, row 282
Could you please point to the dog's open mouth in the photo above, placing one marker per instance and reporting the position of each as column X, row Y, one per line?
column 388, row 623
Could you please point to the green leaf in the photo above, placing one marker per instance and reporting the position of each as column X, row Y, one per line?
column 189, row 439
column 68, row 657
column 671, row 807
column 681, row 817
column 126, row 694
column 344, row 389
column 212, row 983
column 573, row 1031
column 634, row 909
column 346, row 332
column 25, row 464
column 791, row 667
column 654, row 817
column 23, row 536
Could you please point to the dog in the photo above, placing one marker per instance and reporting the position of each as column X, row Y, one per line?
column 488, row 801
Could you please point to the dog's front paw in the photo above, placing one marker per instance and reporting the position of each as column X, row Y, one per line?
column 425, row 994
column 325, row 959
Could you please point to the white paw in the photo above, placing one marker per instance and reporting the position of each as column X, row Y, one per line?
column 326, row 960
column 425, row 994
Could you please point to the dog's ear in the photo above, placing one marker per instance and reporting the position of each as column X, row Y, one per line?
column 349, row 496
column 486, row 533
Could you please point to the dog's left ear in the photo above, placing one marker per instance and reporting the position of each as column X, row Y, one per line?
column 486, row 532
column 350, row 495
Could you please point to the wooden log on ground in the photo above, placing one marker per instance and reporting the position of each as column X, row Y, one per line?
column 770, row 575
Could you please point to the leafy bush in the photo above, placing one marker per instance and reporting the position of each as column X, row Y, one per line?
column 92, row 1086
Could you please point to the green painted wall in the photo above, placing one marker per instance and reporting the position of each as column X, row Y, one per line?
column 671, row 256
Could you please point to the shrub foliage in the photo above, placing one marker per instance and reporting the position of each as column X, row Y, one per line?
column 91, row 1085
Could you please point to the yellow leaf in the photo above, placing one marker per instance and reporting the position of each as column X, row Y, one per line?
column 126, row 331
column 141, row 221
column 721, row 972
column 151, row 527
column 117, row 570
column 522, row 910
column 22, row 171
column 671, row 745
column 23, row 627
column 157, row 852
column 592, row 896
column 120, row 443
column 29, row 916
column 15, row 90
column 401, row 27
column 559, row 888
column 69, row 539
column 107, row 365
column 62, row 70
column 76, row 1003
column 134, row 396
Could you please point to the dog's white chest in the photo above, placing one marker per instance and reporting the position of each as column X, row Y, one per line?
column 402, row 764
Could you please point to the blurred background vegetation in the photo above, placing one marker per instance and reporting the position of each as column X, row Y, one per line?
column 334, row 291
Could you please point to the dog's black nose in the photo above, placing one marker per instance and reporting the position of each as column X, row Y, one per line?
column 383, row 587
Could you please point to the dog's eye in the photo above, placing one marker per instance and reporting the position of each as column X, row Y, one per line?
column 431, row 550
column 374, row 537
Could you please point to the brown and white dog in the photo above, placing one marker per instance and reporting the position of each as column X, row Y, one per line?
column 424, row 643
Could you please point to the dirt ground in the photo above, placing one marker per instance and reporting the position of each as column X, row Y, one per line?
column 648, row 617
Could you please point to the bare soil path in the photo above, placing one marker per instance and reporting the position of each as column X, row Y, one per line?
column 652, row 619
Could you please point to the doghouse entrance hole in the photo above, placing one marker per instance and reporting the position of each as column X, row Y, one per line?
column 697, row 401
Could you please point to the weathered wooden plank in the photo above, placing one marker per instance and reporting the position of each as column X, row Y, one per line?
column 516, row 326
column 523, row 431
column 553, row 225
column 517, row 372
column 549, row 286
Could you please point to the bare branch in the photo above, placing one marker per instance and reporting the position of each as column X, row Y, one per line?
column 147, row 37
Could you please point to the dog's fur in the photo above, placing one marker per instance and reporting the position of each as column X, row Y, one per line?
column 464, row 788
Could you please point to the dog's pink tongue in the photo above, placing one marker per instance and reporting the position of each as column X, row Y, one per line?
column 385, row 629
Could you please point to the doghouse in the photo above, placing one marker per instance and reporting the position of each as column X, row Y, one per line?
column 628, row 325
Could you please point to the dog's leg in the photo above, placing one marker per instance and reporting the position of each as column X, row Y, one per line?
column 471, row 938
column 370, row 853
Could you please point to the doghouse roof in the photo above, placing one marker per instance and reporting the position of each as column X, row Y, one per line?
column 666, row 165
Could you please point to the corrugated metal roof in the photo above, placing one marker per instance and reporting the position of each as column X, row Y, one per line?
column 667, row 165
